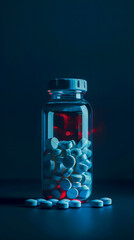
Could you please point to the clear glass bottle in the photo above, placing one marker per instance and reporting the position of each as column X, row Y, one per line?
column 67, row 149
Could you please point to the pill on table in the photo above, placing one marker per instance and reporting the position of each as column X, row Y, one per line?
column 56, row 152
column 46, row 204
column 30, row 203
column 88, row 152
column 59, row 167
column 65, row 144
column 54, row 201
column 59, row 159
column 49, row 165
column 39, row 200
column 82, row 143
column 49, row 184
column 65, row 184
column 56, row 193
column 52, row 143
column 56, row 176
column 75, row 204
column 86, row 178
column 76, row 184
column 76, row 152
column 76, row 177
column 96, row 203
column 87, row 162
column 81, row 157
column 72, row 193
column 80, row 168
column 69, row 161
column 67, row 172
column 62, row 204
column 84, row 192
column 106, row 201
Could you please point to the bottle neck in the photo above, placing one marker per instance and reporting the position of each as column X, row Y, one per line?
column 65, row 95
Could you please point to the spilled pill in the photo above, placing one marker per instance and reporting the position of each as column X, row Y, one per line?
column 74, row 204
column 96, row 203
column 106, row 201
column 46, row 204
column 54, row 201
column 30, row 203
column 62, row 204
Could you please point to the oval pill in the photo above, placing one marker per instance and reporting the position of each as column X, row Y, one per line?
column 72, row 193
column 54, row 201
column 69, row 161
column 52, row 143
column 62, row 204
column 31, row 203
column 65, row 184
column 96, row 203
column 106, row 201
column 46, row 204
column 75, row 204
column 39, row 200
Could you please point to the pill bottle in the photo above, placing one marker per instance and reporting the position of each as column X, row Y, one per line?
column 67, row 141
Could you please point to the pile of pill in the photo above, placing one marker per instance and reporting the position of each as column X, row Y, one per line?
column 66, row 203
column 67, row 169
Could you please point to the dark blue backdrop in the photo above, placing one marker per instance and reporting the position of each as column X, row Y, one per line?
column 85, row 39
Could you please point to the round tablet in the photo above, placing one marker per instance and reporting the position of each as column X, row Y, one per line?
column 96, row 203
column 67, row 172
column 69, row 161
column 75, row 204
column 81, row 157
column 80, row 168
column 86, row 178
column 76, row 177
column 84, row 192
column 62, row 204
column 88, row 152
column 65, row 184
column 30, row 203
column 54, row 201
column 52, row 143
column 65, row 144
column 56, row 152
column 76, row 152
column 56, row 193
column 88, row 163
column 76, row 184
column 106, row 201
column 46, row 204
column 72, row 193
column 40, row 200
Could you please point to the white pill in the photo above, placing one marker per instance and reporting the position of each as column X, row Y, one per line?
column 65, row 144
column 75, row 204
column 56, row 193
column 88, row 152
column 81, row 157
column 52, row 143
column 76, row 152
column 80, row 168
column 86, row 178
column 59, row 159
column 46, row 204
column 106, row 201
column 56, row 176
column 96, row 203
column 54, row 201
column 72, row 193
column 62, row 204
column 40, row 200
column 59, row 167
column 76, row 184
column 49, row 165
column 87, row 162
column 69, row 161
column 56, row 152
column 30, row 203
column 49, row 184
column 82, row 143
column 76, row 177
column 84, row 192
column 65, row 184
column 67, row 172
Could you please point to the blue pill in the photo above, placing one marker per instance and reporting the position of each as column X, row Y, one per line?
column 96, row 203
column 106, row 201
column 31, row 203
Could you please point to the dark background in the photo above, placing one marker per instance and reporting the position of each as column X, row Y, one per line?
column 93, row 40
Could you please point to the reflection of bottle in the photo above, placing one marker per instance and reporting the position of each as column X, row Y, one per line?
column 67, row 141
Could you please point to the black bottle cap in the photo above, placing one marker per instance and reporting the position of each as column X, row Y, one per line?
column 68, row 83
